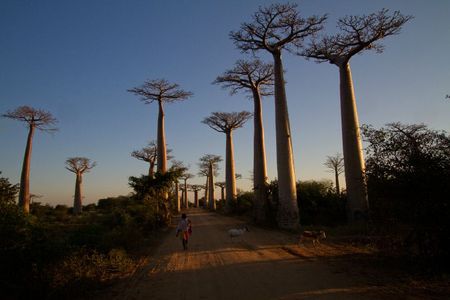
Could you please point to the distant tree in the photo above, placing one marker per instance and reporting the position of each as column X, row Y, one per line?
column 222, row 185
column 185, row 177
column 357, row 34
column 150, row 154
column 195, row 188
column 179, row 167
column 8, row 191
column 34, row 119
column 256, row 78
column 160, row 91
column 79, row 166
column 336, row 165
column 227, row 123
column 209, row 165
column 274, row 28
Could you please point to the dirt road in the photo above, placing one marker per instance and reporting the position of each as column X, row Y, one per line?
column 263, row 264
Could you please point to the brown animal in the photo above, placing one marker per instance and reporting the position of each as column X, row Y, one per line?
column 315, row 236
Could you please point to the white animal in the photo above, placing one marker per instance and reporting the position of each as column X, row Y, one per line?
column 237, row 232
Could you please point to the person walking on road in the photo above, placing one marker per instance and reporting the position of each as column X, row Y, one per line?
column 184, row 230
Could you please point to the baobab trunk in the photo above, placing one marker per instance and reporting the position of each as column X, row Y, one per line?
column 336, row 177
column 77, row 205
column 162, row 155
column 24, row 192
column 196, row 198
column 288, row 214
column 259, row 161
column 177, row 196
column 207, row 192
column 151, row 170
column 353, row 157
column 230, row 182
column 186, row 205
column 212, row 202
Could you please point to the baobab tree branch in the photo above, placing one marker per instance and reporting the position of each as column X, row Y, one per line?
column 227, row 122
column 36, row 118
column 160, row 90
column 79, row 164
column 251, row 76
column 275, row 27
column 358, row 33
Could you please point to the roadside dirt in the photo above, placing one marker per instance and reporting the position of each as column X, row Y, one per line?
column 262, row 264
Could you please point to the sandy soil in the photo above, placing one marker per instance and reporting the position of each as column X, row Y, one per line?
column 262, row 264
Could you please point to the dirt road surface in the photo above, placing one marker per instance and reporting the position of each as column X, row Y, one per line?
column 262, row 264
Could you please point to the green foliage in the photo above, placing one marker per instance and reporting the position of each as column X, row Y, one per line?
column 408, row 171
column 319, row 204
column 8, row 191
column 317, row 201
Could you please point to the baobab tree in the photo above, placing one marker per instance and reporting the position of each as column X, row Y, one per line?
column 357, row 34
column 149, row 154
column 203, row 172
column 179, row 167
column 161, row 91
column 210, row 162
column 79, row 166
column 195, row 188
column 275, row 28
column 183, row 195
column 185, row 177
column 34, row 119
column 256, row 79
column 336, row 165
column 227, row 123
column 222, row 185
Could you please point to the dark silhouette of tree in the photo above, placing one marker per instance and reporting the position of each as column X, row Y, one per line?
column 222, row 185
column 336, row 165
column 357, row 34
column 150, row 154
column 180, row 169
column 226, row 123
column 8, row 191
column 256, row 78
column 275, row 28
column 209, row 165
column 408, row 171
column 79, row 166
column 195, row 188
column 162, row 92
column 185, row 177
column 34, row 119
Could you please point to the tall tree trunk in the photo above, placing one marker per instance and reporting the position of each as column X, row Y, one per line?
column 259, row 161
column 162, row 154
column 358, row 204
column 177, row 196
column 196, row 198
column 24, row 192
column 186, row 205
column 288, row 214
column 336, row 177
column 212, row 202
column 207, row 192
column 151, row 169
column 230, row 182
column 77, row 204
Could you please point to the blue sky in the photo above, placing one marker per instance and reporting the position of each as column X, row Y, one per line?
column 76, row 59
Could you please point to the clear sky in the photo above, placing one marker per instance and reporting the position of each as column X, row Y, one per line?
column 77, row 59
